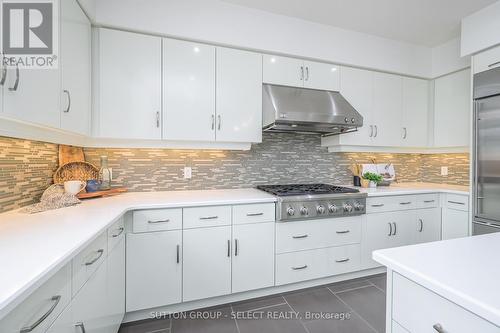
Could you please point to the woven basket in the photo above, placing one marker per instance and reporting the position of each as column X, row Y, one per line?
column 75, row 171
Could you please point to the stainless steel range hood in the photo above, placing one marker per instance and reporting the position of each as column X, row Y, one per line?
column 290, row 109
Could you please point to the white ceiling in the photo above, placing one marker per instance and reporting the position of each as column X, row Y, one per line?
column 423, row 22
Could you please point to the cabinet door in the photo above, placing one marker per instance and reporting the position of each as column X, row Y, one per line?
column 154, row 269
column 116, row 286
column 452, row 109
column 387, row 109
column 188, row 91
column 428, row 226
column 455, row 223
column 321, row 76
column 415, row 112
column 75, row 67
column 239, row 96
column 283, row 71
column 253, row 256
column 129, row 87
column 206, row 262
column 386, row 230
column 356, row 85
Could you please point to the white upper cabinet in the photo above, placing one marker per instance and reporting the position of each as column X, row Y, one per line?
column 188, row 91
column 452, row 110
column 129, row 85
column 299, row 73
column 387, row 109
column 75, row 66
column 283, row 71
column 238, row 97
column 414, row 129
column 321, row 76
column 486, row 60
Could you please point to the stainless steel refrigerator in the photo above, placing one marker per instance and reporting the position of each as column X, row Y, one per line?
column 486, row 152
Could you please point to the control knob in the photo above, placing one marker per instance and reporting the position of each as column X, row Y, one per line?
column 348, row 208
column 333, row 208
column 320, row 209
column 358, row 206
column 304, row 210
column 290, row 211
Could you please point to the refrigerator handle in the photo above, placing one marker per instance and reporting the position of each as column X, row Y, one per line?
column 475, row 156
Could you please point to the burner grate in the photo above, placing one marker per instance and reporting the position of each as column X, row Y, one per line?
column 304, row 189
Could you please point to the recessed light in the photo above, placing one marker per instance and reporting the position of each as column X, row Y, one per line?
column 196, row 49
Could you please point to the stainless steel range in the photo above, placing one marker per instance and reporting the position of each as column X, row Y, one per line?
column 313, row 201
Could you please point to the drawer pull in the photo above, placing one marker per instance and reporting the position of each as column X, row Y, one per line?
column 390, row 229
column 300, row 236
column 159, row 221
column 209, row 217
column 55, row 300
column 299, row 268
column 378, row 205
column 81, row 326
column 395, row 229
column 255, row 214
column 429, row 201
column 494, row 64
column 228, row 248
column 236, row 247
column 100, row 252
column 438, row 328
column 343, row 231
column 457, row 203
column 120, row 231
column 421, row 225
column 342, row 260
column 405, row 203
column 177, row 255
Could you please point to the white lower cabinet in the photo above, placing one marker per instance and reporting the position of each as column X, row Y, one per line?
column 115, row 287
column 154, row 269
column 253, row 256
column 455, row 217
column 428, row 225
column 206, row 262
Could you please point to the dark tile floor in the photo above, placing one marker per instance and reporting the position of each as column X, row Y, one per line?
column 353, row 306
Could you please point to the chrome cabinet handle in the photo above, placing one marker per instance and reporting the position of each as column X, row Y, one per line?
column 16, row 84
column 213, row 122
column 343, row 260
column 229, row 248
column 158, row 119
column 429, row 201
column 405, row 203
column 390, row 229
column 343, row 231
column 177, row 256
column 100, row 252
column 120, row 231
column 55, row 300
column 307, row 73
column 376, row 131
column 421, row 225
column 4, row 75
column 494, row 64
column 209, row 217
column 219, row 124
column 301, row 236
column 299, row 268
column 438, row 328
column 81, row 326
column 301, row 73
column 395, row 229
column 378, row 205
column 456, row 202
column 158, row 221
column 405, row 135
column 235, row 247
column 69, row 101
column 371, row 131
column 255, row 214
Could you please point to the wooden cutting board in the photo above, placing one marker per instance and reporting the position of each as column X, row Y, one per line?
column 105, row 193
column 69, row 154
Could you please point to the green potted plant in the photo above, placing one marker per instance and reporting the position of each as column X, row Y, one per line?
column 373, row 179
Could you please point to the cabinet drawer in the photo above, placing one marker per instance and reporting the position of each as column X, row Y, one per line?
column 307, row 235
column 47, row 301
column 116, row 233
column 212, row 216
column 343, row 259
column 86, row 262
column 254, row 213
column 390, row 203
column 157, row 220
column 458, row 202
column 487, row 60
column 427, row 201
column 301, row 266
column 419, row 309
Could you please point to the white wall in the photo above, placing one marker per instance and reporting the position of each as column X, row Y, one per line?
column 222, row 23
column 481, row 30
column 446, row 58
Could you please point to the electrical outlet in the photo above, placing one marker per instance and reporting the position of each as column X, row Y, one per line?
column 187, row 172
column 444, row 171
column 110, row 173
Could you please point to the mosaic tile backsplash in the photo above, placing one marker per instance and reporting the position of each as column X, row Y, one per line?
column 27, row 166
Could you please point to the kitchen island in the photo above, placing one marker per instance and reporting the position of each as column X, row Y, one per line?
column 446, row 286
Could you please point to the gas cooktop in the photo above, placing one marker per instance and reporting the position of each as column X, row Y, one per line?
column 305, row 189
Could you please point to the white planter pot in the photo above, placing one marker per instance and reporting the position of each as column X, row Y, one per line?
column 373, row 184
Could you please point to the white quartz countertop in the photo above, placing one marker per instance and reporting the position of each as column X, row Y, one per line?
column 465, row 271
column 34, row 246
column 415, row 188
